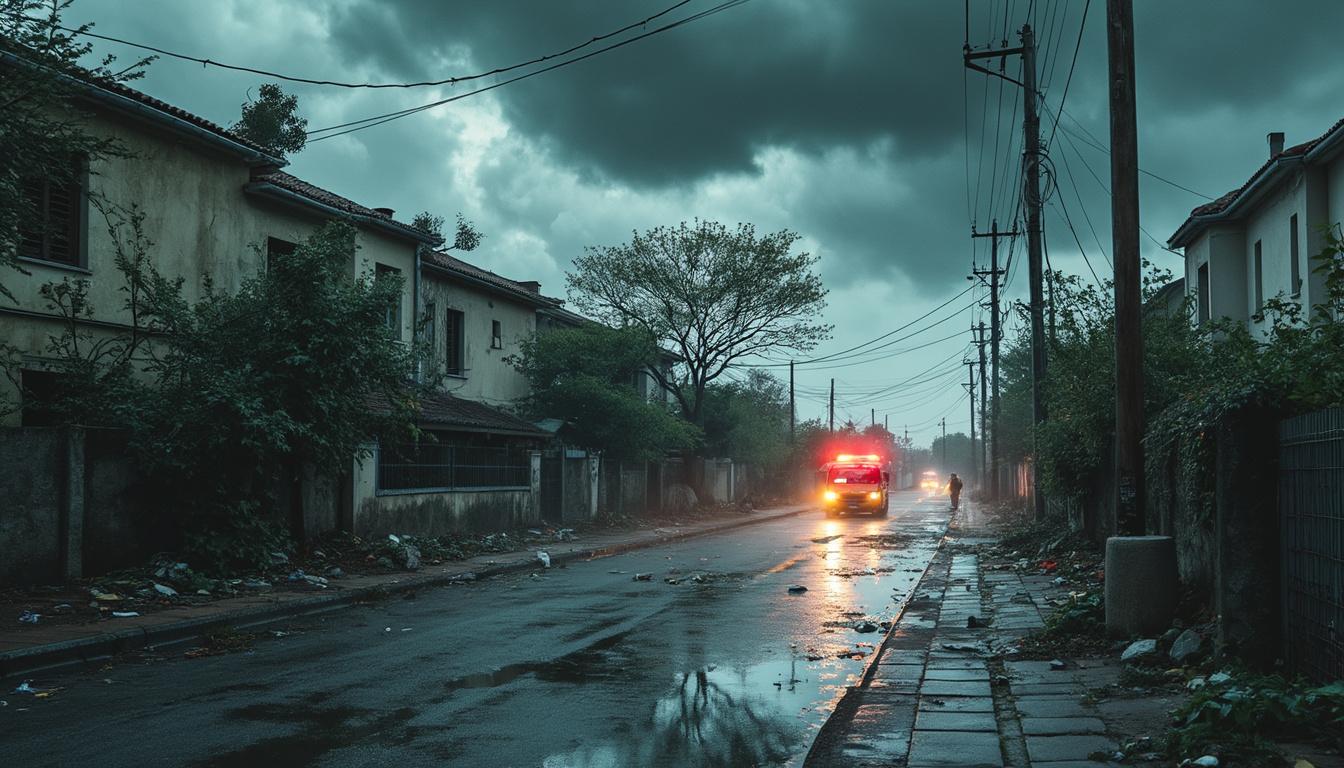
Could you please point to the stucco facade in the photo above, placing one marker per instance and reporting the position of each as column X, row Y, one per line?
column 485, row 375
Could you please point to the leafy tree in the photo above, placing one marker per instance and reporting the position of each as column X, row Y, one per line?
column 39, row 75
column 962, row 455
column 245, row 393
column 748, row 421
column 585, row 376
column 714, row 295
column 272, row 121
column 465, row 238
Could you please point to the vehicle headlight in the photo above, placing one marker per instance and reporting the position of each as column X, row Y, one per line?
column 830, row 496
column 874, row 495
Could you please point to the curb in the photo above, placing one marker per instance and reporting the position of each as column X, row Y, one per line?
column 52, row 656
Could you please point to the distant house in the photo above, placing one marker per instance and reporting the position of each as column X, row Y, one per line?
column 1258, row 241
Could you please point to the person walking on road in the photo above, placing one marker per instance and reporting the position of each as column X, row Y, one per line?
column 954, row 488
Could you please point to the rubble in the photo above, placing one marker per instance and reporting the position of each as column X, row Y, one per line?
column 1186, row 645
column 1139, row 649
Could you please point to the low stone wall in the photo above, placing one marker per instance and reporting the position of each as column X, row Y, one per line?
column 436, row 514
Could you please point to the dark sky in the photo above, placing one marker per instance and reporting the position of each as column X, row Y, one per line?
column 851, row 122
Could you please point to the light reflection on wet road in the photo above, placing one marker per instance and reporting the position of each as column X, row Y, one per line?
column 579, row 668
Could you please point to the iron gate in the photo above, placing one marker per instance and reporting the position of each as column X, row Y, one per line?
column 1311, row 511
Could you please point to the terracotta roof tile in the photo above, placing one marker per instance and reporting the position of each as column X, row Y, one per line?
column 503, row 284
column 445, row 410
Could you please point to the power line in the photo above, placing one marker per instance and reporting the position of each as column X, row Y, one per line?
column 1069, row 80
column 376, row 120
column 1096, row 144
column 341, row 84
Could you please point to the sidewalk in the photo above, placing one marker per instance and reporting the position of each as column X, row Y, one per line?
column 941, row 692
column 26, row 648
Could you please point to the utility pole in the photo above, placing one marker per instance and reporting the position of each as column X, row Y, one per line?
column 872, row 416
column 944, row 423
column 831, row 408
column 1031, row 172
column 984, row 430
column 995, row 336
column 970, row 397
column 1125, row 250
column 793, row 413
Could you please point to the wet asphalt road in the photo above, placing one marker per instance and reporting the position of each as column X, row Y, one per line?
column 578, row 667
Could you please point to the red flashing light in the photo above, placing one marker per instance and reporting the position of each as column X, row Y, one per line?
column 864, row 457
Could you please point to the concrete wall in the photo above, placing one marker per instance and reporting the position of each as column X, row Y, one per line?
column 433, row 514
column 34, row 492
column 200, row 221
column 487, row 378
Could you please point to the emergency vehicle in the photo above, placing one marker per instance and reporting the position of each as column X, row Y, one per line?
column 853, row 484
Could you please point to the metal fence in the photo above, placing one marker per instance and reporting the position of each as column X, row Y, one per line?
column 1311, row 508
column 434, row 466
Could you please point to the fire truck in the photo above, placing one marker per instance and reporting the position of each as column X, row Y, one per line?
column 855, row 484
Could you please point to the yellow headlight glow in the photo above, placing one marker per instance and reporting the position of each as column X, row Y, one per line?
column 874, row 495
column 830, row 496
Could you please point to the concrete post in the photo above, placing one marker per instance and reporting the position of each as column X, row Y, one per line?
column 1141, row 585
column 71, row 535
column 534, row 483
column 594, row 471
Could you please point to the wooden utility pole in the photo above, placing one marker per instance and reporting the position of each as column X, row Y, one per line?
column 831, row 408
column 944, row 423
column 984, row 428
column 1031, row 196
column 872, row 416
column 970, row 397
column 995, row 336
column 793, row 408
column 1129, row 490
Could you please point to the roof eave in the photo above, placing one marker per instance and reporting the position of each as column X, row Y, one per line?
column 289, row 196
column 1194, row 226
column 523, row 297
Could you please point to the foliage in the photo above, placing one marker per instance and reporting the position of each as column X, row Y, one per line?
column 748, row 420
column 585, row 376
column 272, row 122
column 465, row 238
column 37, row 112
column 1244, row 713
column 243, row 393
column 712, row 294
column 962, row 455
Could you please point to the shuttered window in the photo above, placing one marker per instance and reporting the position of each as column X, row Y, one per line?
column 55, row 230
column 453, row 342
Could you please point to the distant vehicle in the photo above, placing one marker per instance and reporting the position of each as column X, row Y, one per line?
column 930, row 481
column 853, row 484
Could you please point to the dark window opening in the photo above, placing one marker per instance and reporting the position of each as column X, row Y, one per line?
column 1259, row 279
column 393, row 317
column 454, row 361
column 1294, row 268
column 277, row 248
column 40, row 391
column 496, row 335
column 1203, row 297
column 55, row 231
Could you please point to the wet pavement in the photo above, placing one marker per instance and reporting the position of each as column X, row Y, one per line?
column 581, row 666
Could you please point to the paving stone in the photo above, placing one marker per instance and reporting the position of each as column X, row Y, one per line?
column 1051, row 706
column 902, row 656
column 964, row 749
column 1056, row 726
column 928, row 720
column 956, row 704
column 1066, row 747
column 886, row 687
column 1037, row 689
column 949, row 688
column 899, row 671
column 957, row 664
column 957, row 674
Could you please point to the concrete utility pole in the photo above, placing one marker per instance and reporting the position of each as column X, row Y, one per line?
column 1129, row 488
column 970, row 397
column 831, row 408
column 1031, row 195
column 872, row 416
column 984, row 428
column 944, row 423
column 995, row 336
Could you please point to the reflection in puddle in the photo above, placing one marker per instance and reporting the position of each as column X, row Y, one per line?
column 719, row 716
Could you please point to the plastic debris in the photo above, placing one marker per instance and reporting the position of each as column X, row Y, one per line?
column 1218, row 678
column 26, row 687
column 1058, row 664
column 865, row 626
column 797, row 589
column 164, row 590
column 125, row 614
column 257, row 584
column 1207, row 761
column 28, row 617
column 1059, row 581
column 279, row 558
column 826, row 539
column 975, row 622
column 545, row 559
column 1049, row 566
column 1139, row 648
column 335, row 572
column 643, row 577
column 565, row 534
column 63, row 608
column 461, row 577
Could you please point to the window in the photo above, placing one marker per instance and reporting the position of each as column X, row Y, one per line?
column 393, row 317
column 277, row 248
column 1295, row 269
column 57, row 229
column 1259, row 279
column 496, row 335
column 453, row 343
column 1203, row 296
column 39, row 391
column 433, row 464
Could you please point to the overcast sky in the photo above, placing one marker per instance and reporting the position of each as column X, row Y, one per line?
column 852, row 122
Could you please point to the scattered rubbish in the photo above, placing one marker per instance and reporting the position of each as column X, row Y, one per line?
column 28, row 617
column 813, row 657
column 125, row 614
column 1187, row 644
column 533, row 532
column 461, row 577
column 1196, row 683
column 643, row 577
column 616, row 572
column 1218, row 678
column 1302, row 762
column 27, row 687
column 797, row 589
column 63, row 608
column 407, row 629
column 699, row 578
column 565, row 534
column 1207, row 761
column 300, row 577
column 1049, row 566
column 1139, row 648
column 164, row 590
column 825, row 539
column 279, row 558
column 865, row 627
column 672, row 580
column 335, row 572
column 545, row 559
column 1059, row 581
column 4, row 703
column 963, row 647
column 975, row 622
column 385, row 562
column 387, row 629
column 257, row 584
column 277, row 633
column 205, row 592
column 104, row 596
column 869, row 572
column 1058, row 664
